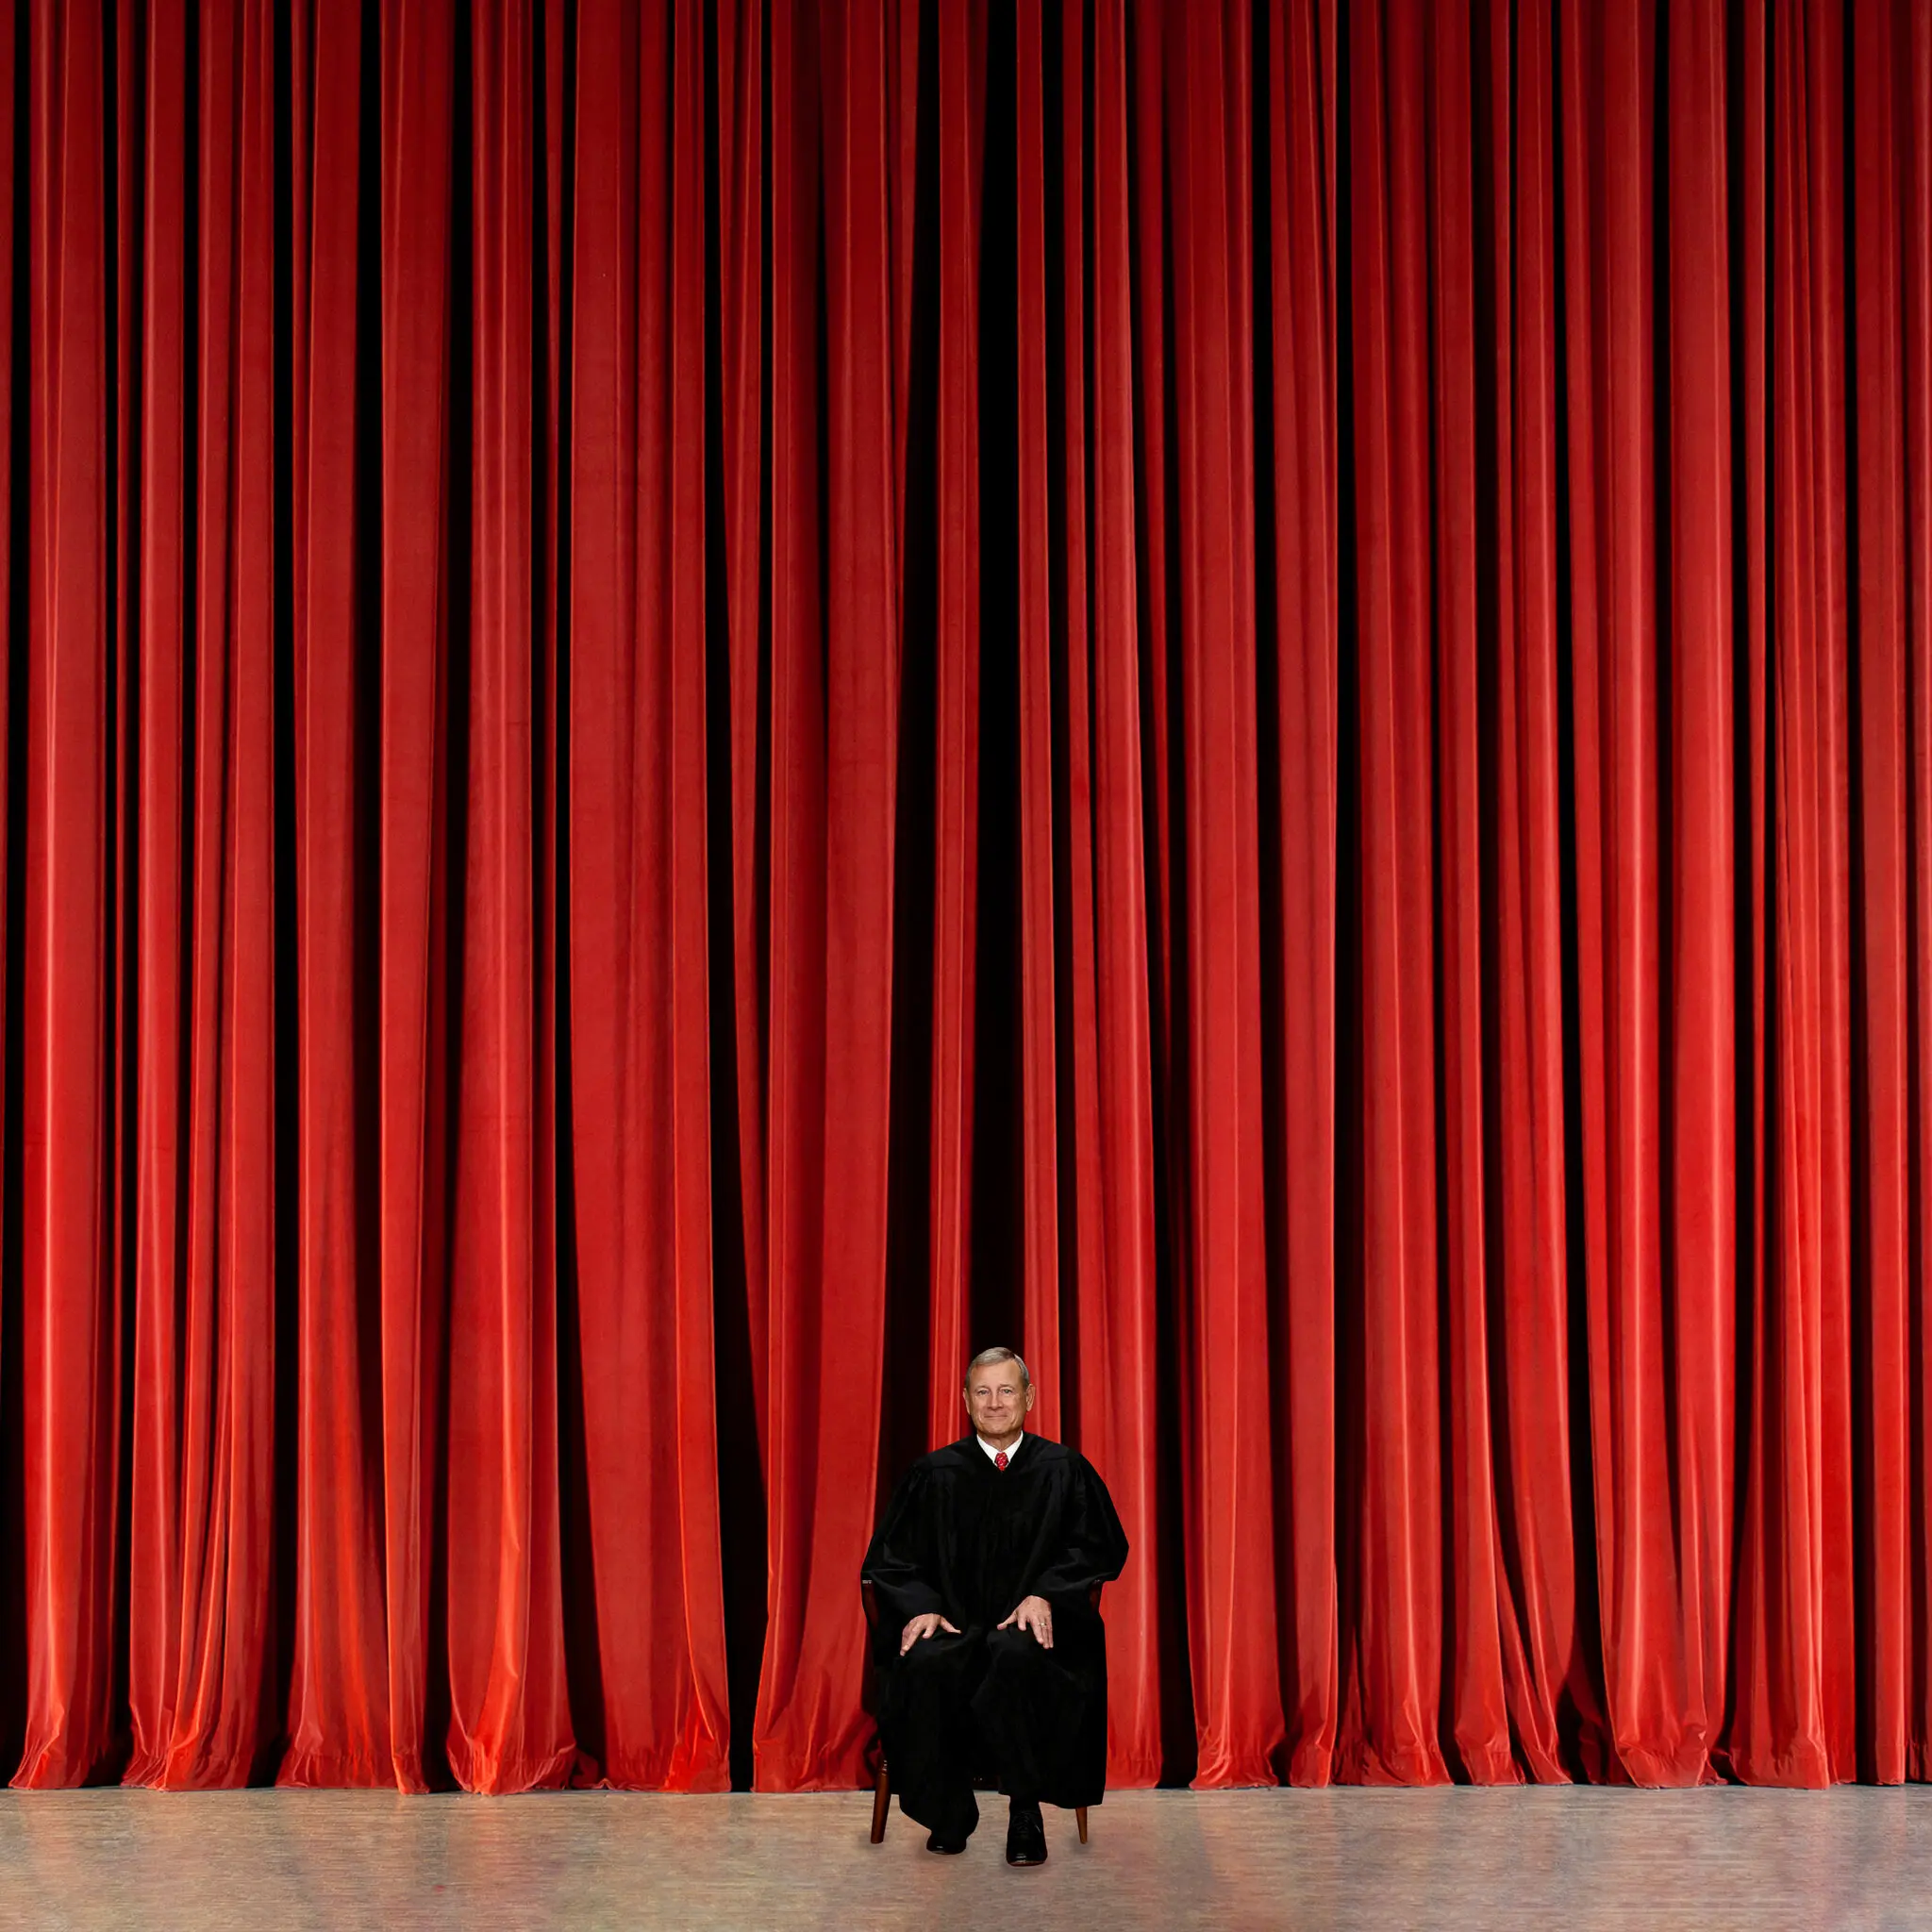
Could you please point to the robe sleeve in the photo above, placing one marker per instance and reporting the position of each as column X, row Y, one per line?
column 899, row 1565
column 1093, row 1548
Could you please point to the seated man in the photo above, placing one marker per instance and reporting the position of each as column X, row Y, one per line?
column 990, row 1649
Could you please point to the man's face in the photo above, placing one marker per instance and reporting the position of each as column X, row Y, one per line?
column 997, row 1399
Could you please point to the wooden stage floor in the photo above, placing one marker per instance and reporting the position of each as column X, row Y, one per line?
column 283, row 1859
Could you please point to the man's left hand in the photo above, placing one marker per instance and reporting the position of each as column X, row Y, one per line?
column 1034, row 1616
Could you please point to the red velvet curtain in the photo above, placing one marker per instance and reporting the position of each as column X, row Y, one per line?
column 706, row 701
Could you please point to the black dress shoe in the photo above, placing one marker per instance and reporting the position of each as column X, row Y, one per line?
column 936, row 1843
column 1025, row 1835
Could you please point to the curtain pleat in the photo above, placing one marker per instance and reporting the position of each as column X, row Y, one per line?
column 960, row 57
column 1040, row 810
column 72, row 1338
column 707, row 703
column 412, row 863
column 1698, row 1049
column 1555, row 1710
column 338, row 1714
column 1222, row 1236
column 1392, row 1660
column 1299, row 934
column 202, row 1540
column 640, row 1098
column 1118, row 1329
column 1608, row 161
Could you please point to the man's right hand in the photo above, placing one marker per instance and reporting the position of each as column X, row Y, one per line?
column 930, row 1624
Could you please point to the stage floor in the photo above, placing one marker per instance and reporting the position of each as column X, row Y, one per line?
column 282, row 1860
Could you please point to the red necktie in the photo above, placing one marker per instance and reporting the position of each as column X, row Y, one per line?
column 999, row 1461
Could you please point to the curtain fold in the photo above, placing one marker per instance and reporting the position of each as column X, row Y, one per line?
column 1297, row 429
column 339, row 1695
column 641, row 1097
column 1605, row 56
column 706, row 703
column 1117, row 1322
column 1554, row 1709
column 202, row 1530
column 73, row 1339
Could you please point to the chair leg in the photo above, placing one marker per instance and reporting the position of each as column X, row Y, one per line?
column 882, row 1803
column 1080, row 1819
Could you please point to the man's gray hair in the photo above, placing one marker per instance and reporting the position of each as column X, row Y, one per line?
column 987, row 1356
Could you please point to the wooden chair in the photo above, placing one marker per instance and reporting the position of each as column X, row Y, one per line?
column 882, row 1784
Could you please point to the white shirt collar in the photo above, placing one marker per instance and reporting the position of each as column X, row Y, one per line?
column 991, row 1452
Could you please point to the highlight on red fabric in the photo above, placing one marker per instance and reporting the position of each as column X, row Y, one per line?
column 706, row 704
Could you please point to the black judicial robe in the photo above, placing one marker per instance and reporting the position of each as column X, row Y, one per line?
column 968, row 1541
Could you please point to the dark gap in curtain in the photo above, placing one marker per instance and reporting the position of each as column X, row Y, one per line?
column 583, row 1653
column 743, row 1523
column 909, row 1204
column 13, row 668
column 740, row 1504
column 1587, row 1751
column 998, row 1273
column 288, row 1150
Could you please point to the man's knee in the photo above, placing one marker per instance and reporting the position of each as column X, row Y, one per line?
column 930, row 1656
column 934, row 1674
column 1013, row 1652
